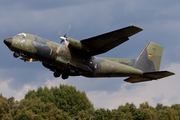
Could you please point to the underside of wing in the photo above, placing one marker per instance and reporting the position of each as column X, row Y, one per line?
column 105, row 42
column 149, row 76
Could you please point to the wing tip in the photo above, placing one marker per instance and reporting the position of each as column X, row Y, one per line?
column 140, row 29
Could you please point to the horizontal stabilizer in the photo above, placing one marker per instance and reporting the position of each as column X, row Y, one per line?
column 149, row 76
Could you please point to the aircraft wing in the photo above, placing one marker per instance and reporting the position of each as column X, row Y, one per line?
column 105, row 42
column 149, row 76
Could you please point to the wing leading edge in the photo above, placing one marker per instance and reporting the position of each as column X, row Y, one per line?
column 105, row 42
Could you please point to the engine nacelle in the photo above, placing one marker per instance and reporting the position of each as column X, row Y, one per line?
column 77, row 45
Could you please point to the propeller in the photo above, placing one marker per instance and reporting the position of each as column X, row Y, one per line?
column 63, row 39
column 67, row 30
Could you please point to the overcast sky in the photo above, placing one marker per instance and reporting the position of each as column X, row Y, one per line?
column 160, row 21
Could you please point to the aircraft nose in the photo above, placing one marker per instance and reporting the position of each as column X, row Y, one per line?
column 8, row 41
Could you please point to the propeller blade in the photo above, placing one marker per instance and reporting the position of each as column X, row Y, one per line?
column 58, row 49
column 67, row 30
column 69, row 26
column 59, row 33
column 66, row 42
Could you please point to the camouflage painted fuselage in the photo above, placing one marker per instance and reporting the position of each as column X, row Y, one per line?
column 68, row 59
column 77, row 57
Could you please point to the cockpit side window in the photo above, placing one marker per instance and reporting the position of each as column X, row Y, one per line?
column 21, row 35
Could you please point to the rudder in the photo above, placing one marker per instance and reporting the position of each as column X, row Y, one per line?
column 149, row 59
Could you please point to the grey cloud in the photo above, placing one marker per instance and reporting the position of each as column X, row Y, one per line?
column 158, row 99
column 96, row 84
column 159, row 19
column 22, row 76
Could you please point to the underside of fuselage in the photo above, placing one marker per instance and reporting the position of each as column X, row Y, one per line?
column 108, row 68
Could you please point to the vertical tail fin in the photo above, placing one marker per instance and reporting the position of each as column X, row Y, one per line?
column 149, row 62
column 150, row 58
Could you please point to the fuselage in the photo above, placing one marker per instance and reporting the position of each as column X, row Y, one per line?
column 68, row 60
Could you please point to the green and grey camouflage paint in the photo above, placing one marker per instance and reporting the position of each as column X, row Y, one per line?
column 77, row 58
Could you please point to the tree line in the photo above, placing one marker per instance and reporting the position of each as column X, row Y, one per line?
column 67, row 103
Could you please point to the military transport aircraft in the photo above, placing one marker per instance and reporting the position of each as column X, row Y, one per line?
column 76, row 58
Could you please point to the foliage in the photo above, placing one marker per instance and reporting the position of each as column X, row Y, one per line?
column 4, row 107
column 67, row 103
column 66, row 98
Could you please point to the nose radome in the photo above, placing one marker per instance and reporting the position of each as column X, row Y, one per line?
column 8, row 41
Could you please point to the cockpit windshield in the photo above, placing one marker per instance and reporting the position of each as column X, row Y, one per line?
column 21, row 35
